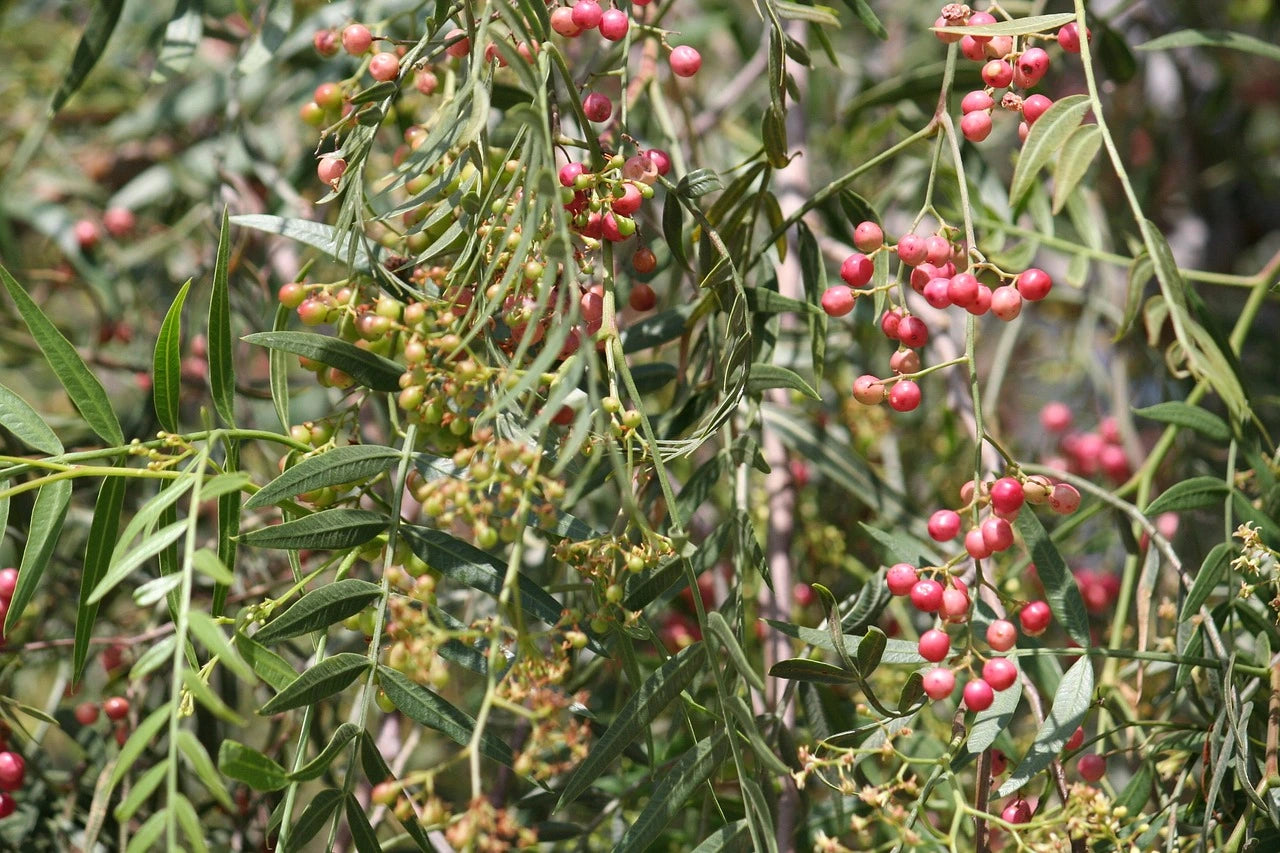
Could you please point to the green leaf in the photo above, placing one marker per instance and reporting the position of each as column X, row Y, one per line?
column 762, row 300
column 730, row 838
column 699, row 182
column 207, row 563
column 1192, row 493
column 832, row 611
column 143, row 736
column 1140, row 272
column 245, row 764
column 1059, row 584
column 166, row 364
column 774, row 133
column 685, row 776
column 1213, row 38
column 1070, row 702
column 102, row 22
column 334, row 243
column 988, row 724
column 1074, row 161
column 123, row 565
column 819, row 672
column 1186, row 415
column 141, row 791
column 269, row 666
column 366, row 368
column 321, row 608
column 321, row 681
column 17, row 416
column 84, row 389
column 723, row 634
column 871, row 650
column 757, row 808
column 329, row 530
column 896, row 651
column 868, row 18
column 1134, row 796
column 673, row 229
column 658, row 329
column 765, row 376
column 161, row 654
column 428, row 709
column 210, row 635
column 911, row 693
column 47, row 516
column 362, row 834
column 313, row 818
column 198, row 760
column 148, row 835
column 315, row 768
column 1047, row 135
column 634, row 719
column 181, row 37
column 222, row 375
column 1016, row 27
column 278, row 370
column 353, row 463
column 202, row 693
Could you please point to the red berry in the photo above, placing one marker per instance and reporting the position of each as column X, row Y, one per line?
column 978, row 695
column 838, row 301
column 330, row 170
column 685, row 61
column 900, row 578
column 939, row 682
column 976, row 126
column 913, row 332
column 937, row 249
column 976, row 544
column 629, row 202
column 1056, row 417
column 1016, row 812
column 562, row 22
column 1001, row 635
column 644, row 261
column 642, row 297
column 325, row 43
column 934, row 645
column 356, row 39
column 857, row 269
column 944, row 525
column 597, row 107
column 116, row 708
column 936, row 292
column 963, row 289
column 1006, row 495
column 904, row 396
column 955, row 603
column 1092, row 767
column 1024, row 130
column 972, row 48
column 998, row 762
column 614, row 24
column 459, row 44
column 86, row 234
column 12, row 771
column 8, row 583
column 926, row 596
column 1076, row 740
column 924, row 273
column 587, row 14
column 1069, row 37
column 661, row 160
column 911, row 250
column 1065, row 499
column 1033, row 107
column 86, row 713
column 997, row 73
column 946, row 38
column 978, row 19
column 569, row 173
column 1034, row 284
column 976, row 101
column 118, row 221
column 981, row 303
column 1033, row 64
column 868, row 390
column 1006, row 302
column 889, row 323
column 868, row 237
column 384, row 66
column 1035, row 618
column 904, row 361
column 1000, row 673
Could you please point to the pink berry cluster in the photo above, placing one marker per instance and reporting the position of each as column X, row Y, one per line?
column 1089, row 452
column 1004, row 499
column 604, row 204
column 934, row 275
column 613, row 24
column 1006, row 65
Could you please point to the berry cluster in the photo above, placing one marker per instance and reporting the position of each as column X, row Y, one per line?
column 1089, row 452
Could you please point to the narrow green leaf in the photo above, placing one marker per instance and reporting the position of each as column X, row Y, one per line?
column 1016, row 27
column 813, row 272
column 1135, row 793
column 321, row 608
column 1059, row 584
column 818, row 14
column 331, row 529
column 207, row 563
column 871, row 651
column 166, row 364
column 673, row 229
column 102, row 22
column 353, row 463
column 315, row 768
column 1070, row 702
column 198, row 760
column 366, row 368
column 334, row 243
column 911, row 693
column 658, row 329
column 1073, row 162
column 832, row 611
column 17, row 416
column 896, row 651
column 686, row 776
column 278, row 370
column 247, row 765
column 758, row 814
column 819, row 672
column 765, row 376
column 97, row 556
column 774, row 133
column 1047, row 135
column 156, row 589
column 868, row 18
column 428, row 709
column 1192, row 493
column 210, row 635
column 1186, row 415
column 151, row 511
column 641, row 709
column 222, row 375
column 148, row 835
column 720, row 629
column 84, row 389
column 362, row 834
column 313, row 818
column 202, row 693
column 123, row 565
column 181, row 37
column 698, row 183
column 762, row 300
column 160, row 654
column 730, row 838
column 141, row 791
column 143, row 736
column 1214, row 38
column 269, row 666
column 47, row 516
column 1140, row 272
column 988, row 724
column 321, row 681
column 192, row 828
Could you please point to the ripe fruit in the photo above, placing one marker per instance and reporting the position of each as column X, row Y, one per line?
column 1092, row 766
column 642, row 297
column 978, row 19
column 562, row 22
column 904, row 396
column 587, row 14
column 685, row 61
column 1056, row 417
column 997, row 73
column 998, row 762
column 356, row 39
column 936, row 292
column 384, row 66
column 1034, row 107
column 868, row 390
column 1069, row 37
column 569, row 173
column 614, row 24
column 1076, row 739
column 86, row 234
column 963, row 289
column 913, row 332
column 644, row 261
column 8, row 583
column 889, row 323
column 976, row 544
column 944, row 525
column 1033, row 64
column 116, row 708
column 939, row 682
column 976, row 126
column 459, row 44
column 857, row 269
column 976, row 101
column 325, row 43
column 934, row 645
column 868, row 237
column 926, row 595
column 12, row 771
column 1064, row 499
column 1001, row 635
column 1034, row 284
column 661, row 160
column 946, row 38
column 900, row 578
column 838, row 301
column 118, row 221
column 904, row 361
column 1016, row 812
column 978, row 695
column 1035, row 618
column 1006, row 302
column 955, row 603
column 997, row 533
column 972, row 49
column 1006, row 495
column 597, row 107
column 330, row 170
column 629, row 202
column 86, row 713
column 937, row 249
column 911, row 250
column 1000, row 673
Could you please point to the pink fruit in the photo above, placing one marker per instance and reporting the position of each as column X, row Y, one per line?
column 972, row 49
column 1035, row 618
column 913, row 332
column 325, row 43
column 955, row 604
column 1001, row 635
column 838, row 300
column 562, row 22
column 642, row 297
column 118, row 221
column 963, row 289
column 976, row 101
column 976, row 544
column 459, row 44
column 937, row 292
column 997, row 534
column 1056, row 417
column 904, row 396
column 934, row 645
column 939, row 682
column 978, row 19
column 569, row 173
column 1006, row 495
column 1069, row 37
column 978, row 695
column 587, row 14
column 1034, row 284
column 86, row 234
column 889, row 323
column 946, row 38
column 868, row 237
column 857, row 270
column 1006, row 302
column 356, row 39
column 614, row 24
column 904, row 361
column 1016, row 812
column 1076, row 740
column 926, row 596
column 1033, row 64
column 1065, row 499
column 911, row 250
column 900, row 578
column 937, row 249
column 330, row 169
column 597, row 107
column 997, row 73
column 976, row 126
column 12, row 771
column 1033, row 107
column 1092, row 767
column 685, row 61
column 944, row 525
column 660, row 159
column 1000, row 673
column 868, row 390
column 384, row 66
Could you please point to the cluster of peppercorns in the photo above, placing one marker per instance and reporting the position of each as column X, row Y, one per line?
column 1087, row 452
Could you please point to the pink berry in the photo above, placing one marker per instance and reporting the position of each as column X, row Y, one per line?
column 998, row 762
column 86, row 234
column 913, row 332
column 1114, row 462
column 1006, row 495
column 1076, row 740
column 642, row 297
column 325, row 43
column 976, row 126
column 997, row 73
column 1092, row 767
column 660, row 159
column 999, row 47
column 978, row 695
column 868, row 237
column 904, row 361
column 868, row 390
column 838, row 300
column 946, row 38
column 904, row 396
column 1035, row 618
column 116, row 708
column 981, row 302
column 685, row 61
column 384, row 66
column 1034, row 284
column 12, row 771
column 926, row 595
column 1006, row 302
column 1065, row 499
column 937, row 249
column 900, row 578
column 1001, row 635
column 911, row 250
column 1000, row 673
column 562, row 22
column 614, row 24
column 569, row 173
column 1016, row 812
column 955, row 603
column 1033, row 64
column 597, row 107
column 963, row 289
column 118, row 221
column 330, row 169
column 976, row 101
column 1024, row 130
column 978, row 19
column 976, row 544
column 459, row 44
column 997, row 534
column 944, row 525
column 8, row 805
column 1069, row 37
column 356, row 39
column 937, row 292
column 889, row 323
column 857, row 270
column 972, row 49
column 934, row 645
column 629, row 202
column 1033, row 107
column 939, row 682
column 1056, row 417
column 587, row 14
